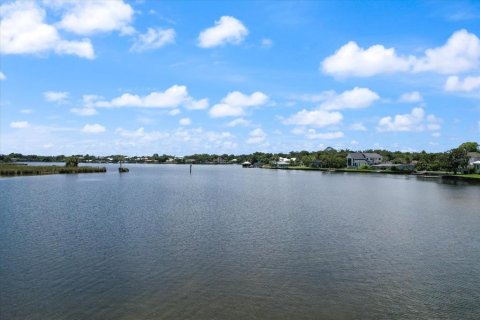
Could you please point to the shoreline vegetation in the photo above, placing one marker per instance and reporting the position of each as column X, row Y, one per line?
column 14, row 169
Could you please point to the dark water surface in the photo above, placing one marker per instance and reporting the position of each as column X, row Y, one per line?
column 233, row 243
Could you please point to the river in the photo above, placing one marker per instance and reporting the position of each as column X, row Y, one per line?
column 230, row 243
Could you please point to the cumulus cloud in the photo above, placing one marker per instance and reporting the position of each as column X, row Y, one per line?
column 227, row 30
column 239, row 122
column 460, row 53
column 185, row 122
column 316, row 118
column 19, row 124
column 93, row 128
column 357, row 98
column 235, row 103
column 55, row 96
column 351, row 60
column 153, row 39
column 2, row 76
column 256, row 136
column 23, row 30
column 90, row 17
column 196, row 104
column 411, row 97
column 88, row 107
column 312, row 134
column 173, row 97
column 468, row 84
column 416, row 120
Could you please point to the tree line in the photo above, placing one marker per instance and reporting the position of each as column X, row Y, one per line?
column 450, row 160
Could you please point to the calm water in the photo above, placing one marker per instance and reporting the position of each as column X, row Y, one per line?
column 233, row 243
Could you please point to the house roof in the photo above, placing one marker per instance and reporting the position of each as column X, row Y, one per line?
column 473, row 154
column 356, row 155
column 361, row 156
column 372, row 155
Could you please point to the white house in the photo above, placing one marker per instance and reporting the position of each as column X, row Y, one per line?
column 476, row 166
column 358, row 159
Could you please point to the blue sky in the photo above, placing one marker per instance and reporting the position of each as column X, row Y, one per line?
column 144, row 77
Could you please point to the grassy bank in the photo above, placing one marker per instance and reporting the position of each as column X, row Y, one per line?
column 26, row 170
column 471, row 178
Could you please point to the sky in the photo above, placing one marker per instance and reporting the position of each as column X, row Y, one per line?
column 184, row 77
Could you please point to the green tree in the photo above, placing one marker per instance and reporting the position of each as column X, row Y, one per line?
column 457, row 158
column 469, row 146
column 71, row 162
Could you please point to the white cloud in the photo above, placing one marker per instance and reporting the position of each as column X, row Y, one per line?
column 358, row 126
column 153, row 39
column 173, row 97
column 19, row 124
column 55, row 96
column 356, row 98
column 312, row 134
column 267, row 43
column 89, row 17
column 185, row 122
column 411, row 97
column 316, row 118
column 93, row 128
column 26, row 111
column 235, row 103
column 454, row 83
column 24, row 31
column 88, row 108
column 256, row 136
column 196, row 104
column 460, row 53
column 221, row 110
column 2, row 76
column 239, row 122
column 416, row 120
column 228, row 30
column 239, row 99
column 351, row 60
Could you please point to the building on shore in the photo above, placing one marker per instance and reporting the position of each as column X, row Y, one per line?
column 359, row 159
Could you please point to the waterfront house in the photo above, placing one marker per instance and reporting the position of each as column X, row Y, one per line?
column 358, row 159
column 316, row 164
column 476, row 166
column 282, row 164
column 473, row 157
